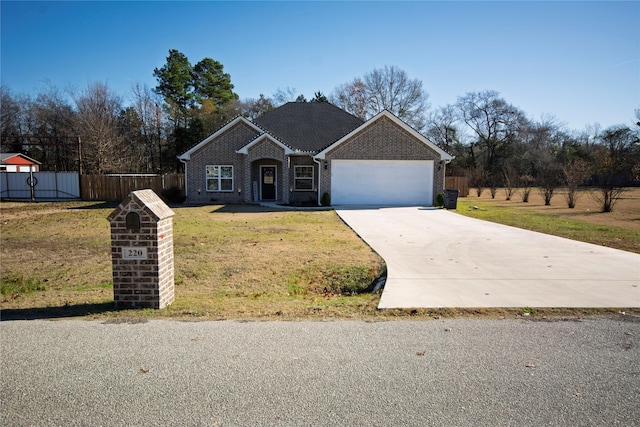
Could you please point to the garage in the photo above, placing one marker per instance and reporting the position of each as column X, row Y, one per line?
column 382, row 182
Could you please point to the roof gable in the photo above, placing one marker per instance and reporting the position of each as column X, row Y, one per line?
column 443, row 154
column 187, row 154
column 308, row 126
column 263, row 137
column 17, row 159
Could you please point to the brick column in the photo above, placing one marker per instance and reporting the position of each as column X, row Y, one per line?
column 142, row 252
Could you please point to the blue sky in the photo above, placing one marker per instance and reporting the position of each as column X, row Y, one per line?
column 577, row 61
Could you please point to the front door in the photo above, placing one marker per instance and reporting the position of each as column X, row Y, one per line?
column 268, row 182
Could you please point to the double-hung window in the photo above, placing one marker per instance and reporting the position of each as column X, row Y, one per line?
column 219, row 178
column 303, row 178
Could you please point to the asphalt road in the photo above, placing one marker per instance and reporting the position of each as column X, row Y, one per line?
column 458, row 372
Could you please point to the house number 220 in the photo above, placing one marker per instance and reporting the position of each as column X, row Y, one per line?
column 134, row 252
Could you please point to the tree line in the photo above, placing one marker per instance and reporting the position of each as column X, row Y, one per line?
column 497, row 145
column 494, row 143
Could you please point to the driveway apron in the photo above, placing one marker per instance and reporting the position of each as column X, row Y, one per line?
column 437, row 258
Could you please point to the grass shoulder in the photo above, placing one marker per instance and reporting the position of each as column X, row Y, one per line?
column 619, row 230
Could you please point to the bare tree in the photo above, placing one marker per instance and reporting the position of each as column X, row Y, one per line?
column 525, row 182
column 98, row 124
column 252, row 108
column 146, row 128
column 494, row 183
column 353, row 97
column 548, row 179
column 510, row 178
column 388, row 88
column 496, row 123
column 442, row 128
column 607, row 194
column 478, row 179
column 282, row 96
column 12, row 121
column 614, row 161
column 575, row 174
column 52, row 117
column 391, row 89
column 636, row 171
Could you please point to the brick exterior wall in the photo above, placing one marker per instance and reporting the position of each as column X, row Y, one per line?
column 142, row 283
column 221, row 151
column 303, row 196
column 383, row 140
column 264, row 153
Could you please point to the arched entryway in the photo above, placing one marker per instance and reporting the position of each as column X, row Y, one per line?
column 268, row 181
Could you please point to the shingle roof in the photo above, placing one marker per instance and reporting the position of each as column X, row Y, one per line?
column 308, row 126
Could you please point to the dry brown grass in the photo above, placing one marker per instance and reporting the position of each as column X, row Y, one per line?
column 231, row 262
column 626, row 213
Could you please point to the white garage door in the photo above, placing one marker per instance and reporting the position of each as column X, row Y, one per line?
column 382, row 182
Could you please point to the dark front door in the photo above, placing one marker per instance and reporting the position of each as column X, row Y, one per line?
column 268, row 182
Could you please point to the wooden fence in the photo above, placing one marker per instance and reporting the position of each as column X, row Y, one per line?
column 114, row 188
column 460, row 183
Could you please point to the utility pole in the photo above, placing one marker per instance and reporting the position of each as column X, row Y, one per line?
column 79, row 156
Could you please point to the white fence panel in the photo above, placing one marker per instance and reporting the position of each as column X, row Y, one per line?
column 48, row 186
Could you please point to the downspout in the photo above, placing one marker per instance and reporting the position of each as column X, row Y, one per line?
column 319, row 177
column 185, row 178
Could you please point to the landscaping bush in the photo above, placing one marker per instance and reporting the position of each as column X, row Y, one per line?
column 440, row 200
column 173, row 195
column 325, row 200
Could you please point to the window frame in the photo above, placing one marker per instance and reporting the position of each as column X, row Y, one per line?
column 296, row 178
column 219, row 178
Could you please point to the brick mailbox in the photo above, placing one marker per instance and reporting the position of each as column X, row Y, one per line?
column 142, row 251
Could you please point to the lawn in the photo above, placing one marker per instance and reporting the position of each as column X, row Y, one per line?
column 250, row 262
column 239, row 261
column 619, row 229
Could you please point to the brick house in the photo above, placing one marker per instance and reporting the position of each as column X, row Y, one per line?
column 301, row 150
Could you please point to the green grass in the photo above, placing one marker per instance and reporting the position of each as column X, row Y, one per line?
column 557, row 225
column 17, row 284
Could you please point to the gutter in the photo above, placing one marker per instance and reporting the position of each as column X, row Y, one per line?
column 319, row 177
column 184, row 162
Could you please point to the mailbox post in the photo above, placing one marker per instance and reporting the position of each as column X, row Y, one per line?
column 142, row 252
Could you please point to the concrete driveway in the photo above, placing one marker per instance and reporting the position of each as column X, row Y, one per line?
column 437, row 258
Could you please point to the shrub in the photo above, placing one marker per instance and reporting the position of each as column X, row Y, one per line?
column 325, row 200
column 349, row 280
column 440, row 200
column 575, row 174
column 526, row 181
column 173, row 195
